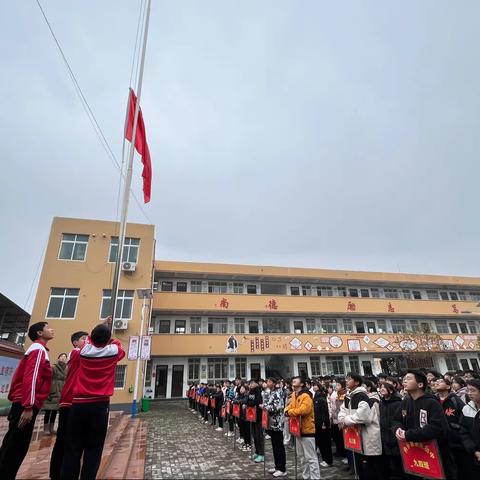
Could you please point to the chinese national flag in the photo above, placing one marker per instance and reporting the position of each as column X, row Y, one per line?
column 141, row 145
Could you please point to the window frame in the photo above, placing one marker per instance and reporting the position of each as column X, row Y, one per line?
column 64, row 297
column 121, row 297
column 75, row 241
column 175, row 327
column 122, row 366
column 129, row 246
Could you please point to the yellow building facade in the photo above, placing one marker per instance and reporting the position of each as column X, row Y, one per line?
column 213, row 321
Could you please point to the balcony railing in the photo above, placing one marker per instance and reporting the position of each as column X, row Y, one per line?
column 311, row 344
column 271, row 304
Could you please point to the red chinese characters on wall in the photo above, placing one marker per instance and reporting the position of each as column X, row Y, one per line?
column 454, row 308
column 351, row 307
column 272, row 304
column 223, row 303
column 391, row 308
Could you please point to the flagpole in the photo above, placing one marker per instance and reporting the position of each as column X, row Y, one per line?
column 128, row 178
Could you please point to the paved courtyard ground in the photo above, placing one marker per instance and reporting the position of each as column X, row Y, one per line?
column 180, row 446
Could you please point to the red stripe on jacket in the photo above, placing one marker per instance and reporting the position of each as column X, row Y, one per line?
column 72, row 369
column 96, row 372
column 32, row 379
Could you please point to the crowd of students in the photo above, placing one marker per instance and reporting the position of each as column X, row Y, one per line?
column 420, row 406
column 83, row 398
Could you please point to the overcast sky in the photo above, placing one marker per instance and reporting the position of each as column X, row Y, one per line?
column 298, row 133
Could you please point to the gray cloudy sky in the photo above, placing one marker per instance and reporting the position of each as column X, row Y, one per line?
column 301, row 133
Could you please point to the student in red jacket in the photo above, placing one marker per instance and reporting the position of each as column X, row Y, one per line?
column 78, row 340
column 88, row 418
column 30, row 387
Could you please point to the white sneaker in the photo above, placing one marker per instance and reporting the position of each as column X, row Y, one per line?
column 230, row 434
column 272, row 470
column 219, row 429
column 206, row 421
column 345, row 461
column 239, row 440
column 279, row 473
column 226, row 433
column 323, row 464
column 267, row 437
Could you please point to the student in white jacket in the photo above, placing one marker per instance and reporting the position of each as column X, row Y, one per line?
column 359, row 409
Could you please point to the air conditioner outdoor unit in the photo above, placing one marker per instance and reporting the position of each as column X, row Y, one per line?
column 120, row 324
column 129, row 266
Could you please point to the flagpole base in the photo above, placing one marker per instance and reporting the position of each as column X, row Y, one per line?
column 134, row 408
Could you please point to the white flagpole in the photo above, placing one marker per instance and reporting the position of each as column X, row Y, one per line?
column 128, row 178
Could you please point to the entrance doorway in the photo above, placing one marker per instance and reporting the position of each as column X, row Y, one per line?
column 161, row 381
column 278, row 366
column 177, row 381
column 255, row 371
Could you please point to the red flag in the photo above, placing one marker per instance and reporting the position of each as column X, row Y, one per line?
column 141, row 145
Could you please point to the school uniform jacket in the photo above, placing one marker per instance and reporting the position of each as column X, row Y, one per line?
column 32, row 379
column 96, row 372
column 73, row 363
column 470, row 427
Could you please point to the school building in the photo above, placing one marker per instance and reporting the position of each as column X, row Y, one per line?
column 211, row 321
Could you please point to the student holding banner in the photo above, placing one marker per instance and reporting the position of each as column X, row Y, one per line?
column 273, row 408
column 255, row 400
column 362, row 412
column 301, row 406
column 420, row 419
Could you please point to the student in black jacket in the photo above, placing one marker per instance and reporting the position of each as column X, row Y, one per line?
column 255, row 400
column 470, row 429
column 218, row 396
column 452, row 408
column 322, row 425
column 389, row 405
column 420, row 418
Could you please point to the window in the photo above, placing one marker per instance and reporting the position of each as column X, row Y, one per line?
column 414, row 325
column 180, row 326
column 193, row 368
column 306, row 290
column 217, row 369
column 353, row 292
column 217, row 325
column 323, row 291
column 347, row 326
column 382, row 326
column 63, row 302
column 463, row 327
column 253, row 326
column 315, row 366
column 425, row 327
column 120, row 375
column 454, row 296
column 441, row 326
column 181, row 286
column 311, row 325
column 196, row 286
column 390, row 292
column 329, row 325
column 164, row 326
column 452, row 362
column 130, row 250
column 124, row 306
column 335, row 365
column 341, row 291
column 462, row 296
column 464, row 364
column 251, row 289
column 472, row 327
column 303, row 369
column 371, row 327
column 276, row 325
column 167, row 286
column 364, row 292
column 432, row 295
column 444, row 296
column 148, row 374
column 294, row 290
column 217, row 287
column 359, row 327
column 475, row 296
column 195, row 325
column 398, row 326
column 406, row 294
column 453, row 327
column 375, row 292
column 241, row 367
column 298, row 326
column 238, row 288
column 475, row 365
column 354, row 364
column 73, row 247
column 417, row 295
column 239, row 324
